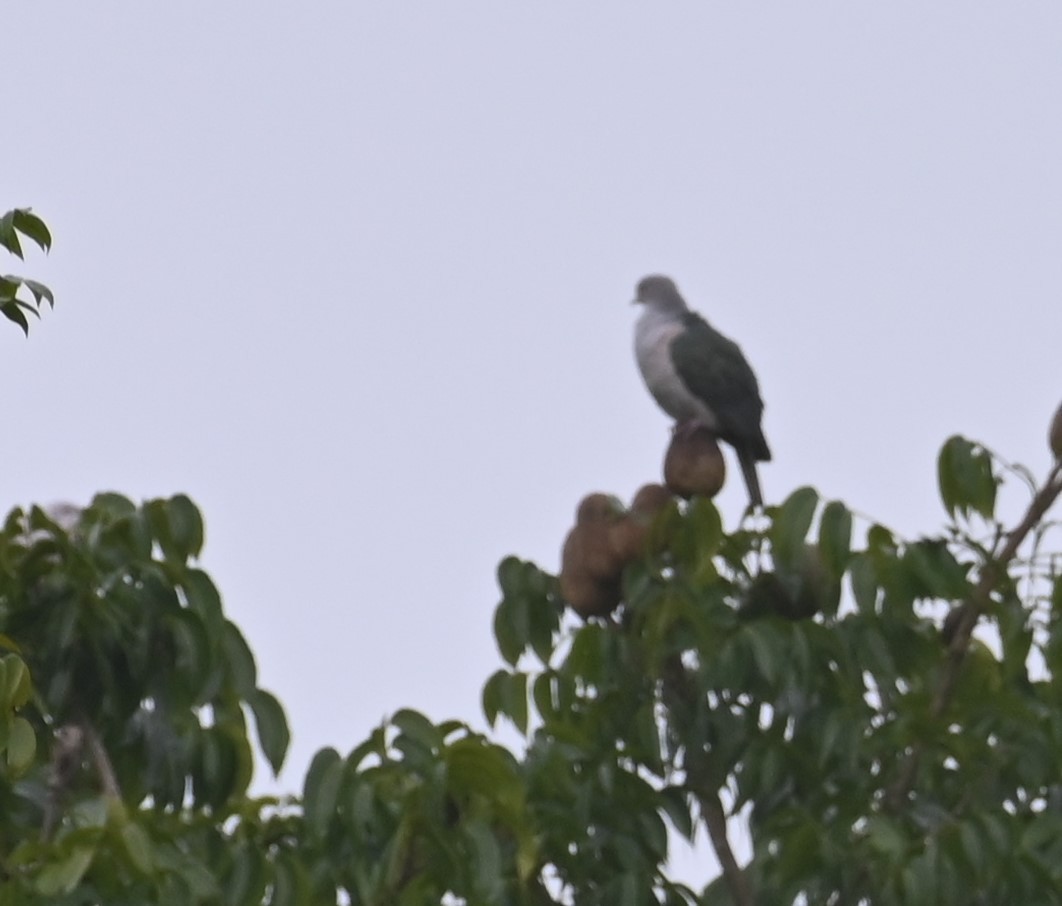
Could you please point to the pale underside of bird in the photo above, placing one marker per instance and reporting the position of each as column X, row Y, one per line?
column 698, row 376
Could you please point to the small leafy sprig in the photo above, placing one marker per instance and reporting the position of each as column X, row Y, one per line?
column 22, row 222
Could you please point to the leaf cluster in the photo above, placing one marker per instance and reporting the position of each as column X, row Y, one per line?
column 786, row 675
column 141, row 697
column 16, row 226
column 803, row 674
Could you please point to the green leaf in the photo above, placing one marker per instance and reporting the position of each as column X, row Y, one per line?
column 40, row 292
column 864, row 583
column 762, row 639
column 185, row 525
column 542, row 691
column 9, row 287
column 202, row 596
column 717, row 893
column 885, row 836
column 17, row 687
column 475, row 767
column 791, row 524
column 506, row 693
column 494, row 695
column 215, row 775
column 835, row 537
column 21, row 745
column 510, row 576
column 675, row 803
column 138, row 847
column 272, row 726
column 544, row 614
column 246, row 879
column 289, row 885
column 321, row 790
column 8, row 235
column 92, row 813
column 110, row 505
column 31, row 226
column 967, row 482
column 240, row 661
column 486, row 860
column 193, row 654
column 588, row 658
column 63, row 876
column 418, row 728
column 935, row 571
column 707, row 524
column 13, row 312
column 512, row 627
column 973, row 848
column 516, row 700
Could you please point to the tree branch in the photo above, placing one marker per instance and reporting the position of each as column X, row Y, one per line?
column 733, row 874
column 67, row 747
column 968, row 614
column 678, row 694
column 101, row 761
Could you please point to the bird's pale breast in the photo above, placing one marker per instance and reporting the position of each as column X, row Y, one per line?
column 653, row 334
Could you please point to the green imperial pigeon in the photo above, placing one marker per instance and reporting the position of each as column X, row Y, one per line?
column 698, row 376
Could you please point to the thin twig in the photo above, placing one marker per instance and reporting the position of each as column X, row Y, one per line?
column 680, row 696
column 969, row 613
column 101, row 761
column 65, row 763
column 715, row 819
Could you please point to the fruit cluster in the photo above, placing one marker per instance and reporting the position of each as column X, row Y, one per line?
column 606, row 536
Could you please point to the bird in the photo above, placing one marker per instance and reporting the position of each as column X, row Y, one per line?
column 698, row 376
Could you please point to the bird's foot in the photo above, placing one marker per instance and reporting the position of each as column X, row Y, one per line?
column 686, row 429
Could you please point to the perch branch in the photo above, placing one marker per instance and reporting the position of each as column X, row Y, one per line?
column 968, row 615
column 678, row 694
column 101, row 761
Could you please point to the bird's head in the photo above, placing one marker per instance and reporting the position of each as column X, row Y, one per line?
column 660, row 292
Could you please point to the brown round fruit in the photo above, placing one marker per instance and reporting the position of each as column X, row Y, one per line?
column 627, row 539
column 629, row 536
column 598, row 508
column 694, row 464
column 590, row 568
column 650, row 500
column 590, row 548
column 589, row 597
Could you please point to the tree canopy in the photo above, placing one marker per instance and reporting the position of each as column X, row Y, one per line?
column 884, row 714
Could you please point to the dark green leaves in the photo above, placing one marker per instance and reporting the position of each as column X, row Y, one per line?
column 272, row 725
column 320, row 793
column 835, row 536
column 734, row 669
column 18, row 742
column 529, row 612
column 115, row 622
column 791, row 524
column 24, row 221
column 176, row 526
column 13, row 224
column 967, row 482
column 506, row 693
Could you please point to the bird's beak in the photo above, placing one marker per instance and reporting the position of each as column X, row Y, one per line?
column 636, row 301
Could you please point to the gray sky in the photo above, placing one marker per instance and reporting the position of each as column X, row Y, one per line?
column 357, row 279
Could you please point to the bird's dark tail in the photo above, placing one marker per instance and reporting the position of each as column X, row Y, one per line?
column 747, row 461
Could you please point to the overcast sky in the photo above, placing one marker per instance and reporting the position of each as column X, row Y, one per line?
column 356, row 278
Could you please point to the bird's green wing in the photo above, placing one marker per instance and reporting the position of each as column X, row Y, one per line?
column 714, row 369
